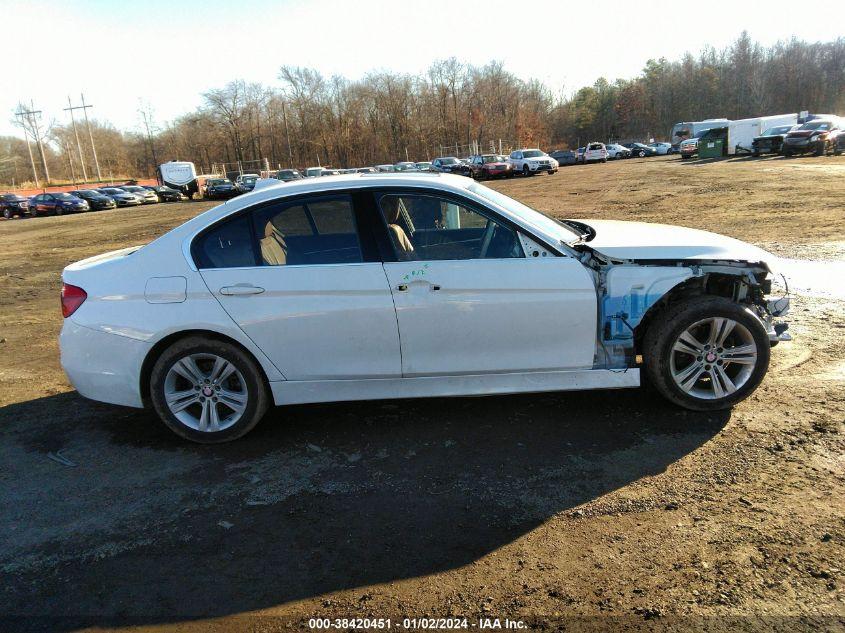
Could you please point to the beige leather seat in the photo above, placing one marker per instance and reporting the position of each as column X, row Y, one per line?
column 400, row 238
column 274, row 250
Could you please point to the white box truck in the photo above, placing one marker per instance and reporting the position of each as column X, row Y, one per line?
column 742, row 132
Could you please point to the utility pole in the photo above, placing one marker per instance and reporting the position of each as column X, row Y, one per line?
column 36, row 132
column 150, row 139
column 70, row 109
column 20, row 113
column 91, row 136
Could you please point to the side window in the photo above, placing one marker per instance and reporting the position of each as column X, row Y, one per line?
column 315, row 231
column 227, row 245
column 428, row 227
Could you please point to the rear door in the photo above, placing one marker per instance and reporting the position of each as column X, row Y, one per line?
column 302, row 279
column 468, row 300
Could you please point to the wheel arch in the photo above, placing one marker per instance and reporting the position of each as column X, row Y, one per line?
column 158, row 349
column 713, row 284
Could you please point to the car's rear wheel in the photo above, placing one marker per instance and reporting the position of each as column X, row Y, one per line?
column 7, row 213
column 208, row 391
column 706, row 354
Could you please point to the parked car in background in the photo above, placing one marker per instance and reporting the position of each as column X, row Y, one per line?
column 13, row 205
column 385, row 168
column 485, row 166
column 662, row 148
column 595, row 153
column 164, row 193
column 365, row 170
column 56, row 204
column 564, row 157
column 146, row 196
column 122, row 198
column 246, row 182
column 615, row 150
column 313, row 172
column 96, row 200
column 330, row 172
column 640, row 150
column 424, row 166
column 839, row 148
column 220, row 188
column 448, row 288
column 286, row 175
column 532, row 161
column 688, row 148
column 579, row 154
column 405, row 165
column 449, row 165
column 817, row 136
column 771, row 140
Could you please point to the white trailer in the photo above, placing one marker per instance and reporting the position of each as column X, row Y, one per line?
column 743, row 131
column 180, row 175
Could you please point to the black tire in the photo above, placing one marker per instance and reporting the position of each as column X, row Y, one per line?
column 526, row 171
column 257, row 396
column 821, row 149
column 57, row 211
column 7, row 213
column 664, row 332
column 641, row 153
column 837, row 152
column 787, row 153
column 755, row 154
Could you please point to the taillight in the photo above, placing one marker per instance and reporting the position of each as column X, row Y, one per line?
column 72, row 298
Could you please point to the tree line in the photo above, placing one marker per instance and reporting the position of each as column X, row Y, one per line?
column 384, row 117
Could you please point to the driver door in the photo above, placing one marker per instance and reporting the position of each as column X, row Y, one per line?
column 467, row 299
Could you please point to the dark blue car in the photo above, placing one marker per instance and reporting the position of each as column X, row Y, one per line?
column 56, row 204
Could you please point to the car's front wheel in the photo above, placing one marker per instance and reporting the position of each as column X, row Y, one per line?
column 208, row 391
column 708, row 353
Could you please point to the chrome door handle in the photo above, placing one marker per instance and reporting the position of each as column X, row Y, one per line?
column 241, row 290
column 402, row 288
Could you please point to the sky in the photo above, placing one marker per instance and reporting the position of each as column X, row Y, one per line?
column 163, row 54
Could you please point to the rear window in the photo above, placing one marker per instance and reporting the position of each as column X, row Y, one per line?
column 227, row 245
column 595, row 146
column 311, row 231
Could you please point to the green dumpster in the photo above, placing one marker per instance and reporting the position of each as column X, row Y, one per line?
column 711, row 148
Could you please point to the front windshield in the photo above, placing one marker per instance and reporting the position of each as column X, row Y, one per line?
column 533, row 153
column 816, row 125
column 12, row 197
column 531, row 216
column 64, row 196
column 772, row 131
column 449, row 161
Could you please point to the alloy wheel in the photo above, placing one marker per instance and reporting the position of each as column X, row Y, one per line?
column 713, row 358
column 206, row 392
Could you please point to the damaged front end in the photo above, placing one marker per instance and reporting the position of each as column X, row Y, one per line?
column 632, row 295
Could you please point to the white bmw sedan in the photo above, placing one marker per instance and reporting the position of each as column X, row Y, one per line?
column 409, row 285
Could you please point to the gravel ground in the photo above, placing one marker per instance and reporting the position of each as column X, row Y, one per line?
column 583, row 511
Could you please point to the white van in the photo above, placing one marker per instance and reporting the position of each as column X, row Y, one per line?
column 595, row 152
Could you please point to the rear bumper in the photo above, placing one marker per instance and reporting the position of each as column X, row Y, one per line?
column 101, row 366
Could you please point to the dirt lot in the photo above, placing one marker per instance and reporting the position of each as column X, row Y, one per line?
column 602, row 510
